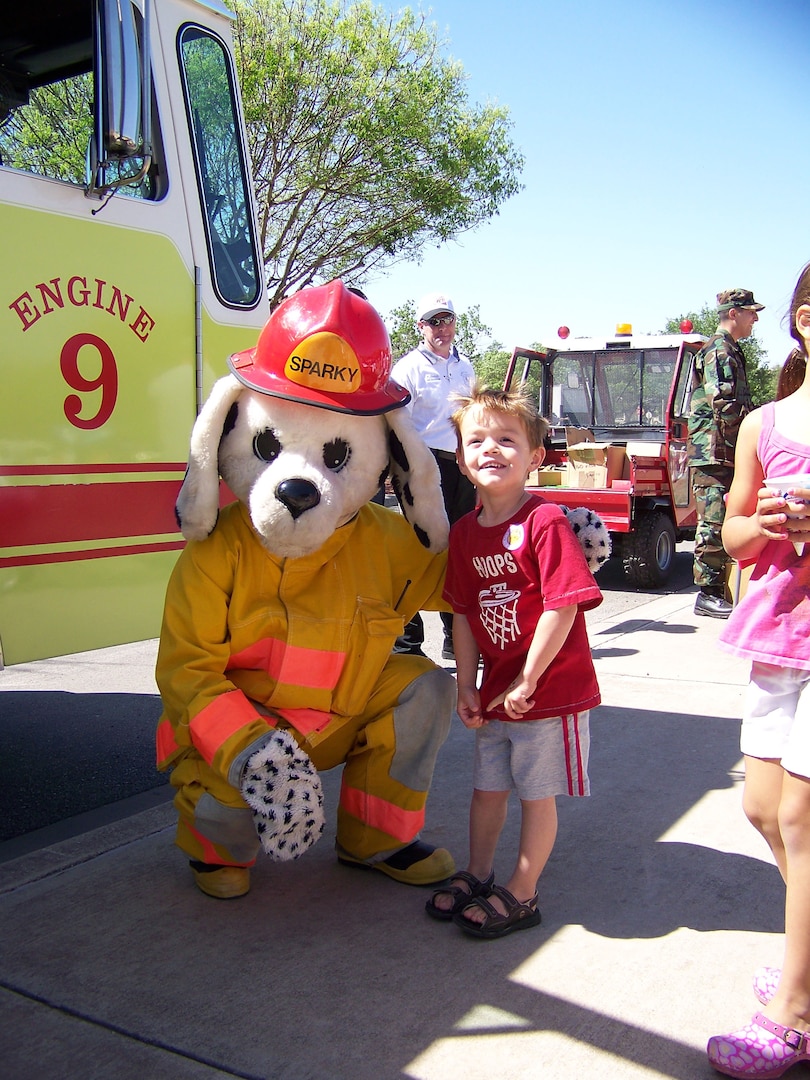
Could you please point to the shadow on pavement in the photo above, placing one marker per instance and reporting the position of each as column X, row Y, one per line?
column 322, row 970
column 62, row 754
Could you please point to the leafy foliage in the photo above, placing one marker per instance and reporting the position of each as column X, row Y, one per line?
column 363, row 144
column 473, row 336
column 50, row 134
column 491, row 366
column 762, row 377
column 401, row 324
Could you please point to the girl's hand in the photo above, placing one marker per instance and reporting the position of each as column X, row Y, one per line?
column 468, row 707
column 770, row 515
column 798, row 514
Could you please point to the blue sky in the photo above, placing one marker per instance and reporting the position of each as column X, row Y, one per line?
column 667, row 157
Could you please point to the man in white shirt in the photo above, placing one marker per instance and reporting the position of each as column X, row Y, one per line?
column 433, row 372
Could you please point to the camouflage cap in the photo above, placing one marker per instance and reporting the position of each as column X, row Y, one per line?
column 737, row 298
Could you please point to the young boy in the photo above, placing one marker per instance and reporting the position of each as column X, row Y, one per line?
column 518, row 583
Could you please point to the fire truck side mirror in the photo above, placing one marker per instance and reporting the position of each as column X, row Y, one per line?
column 122, row 95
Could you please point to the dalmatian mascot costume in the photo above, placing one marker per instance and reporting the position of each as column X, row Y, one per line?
column 275, row 659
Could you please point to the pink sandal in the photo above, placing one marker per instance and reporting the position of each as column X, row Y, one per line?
column 760, row 1049
column 766, row 980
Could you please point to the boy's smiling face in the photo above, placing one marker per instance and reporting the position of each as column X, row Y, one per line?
column 495, row 452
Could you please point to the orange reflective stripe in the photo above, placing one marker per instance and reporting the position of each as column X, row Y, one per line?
column 381, row 814
column 318, row 669
column 210, row 854
column 165, row 742
column 226, row 715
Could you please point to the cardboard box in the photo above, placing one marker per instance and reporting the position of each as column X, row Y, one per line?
column 645, row 449
column 576, row 435
column 584, row 451
column 618, row 463
column 584, row 475
column 547, row 476
column 589, row 453
column 737, row 579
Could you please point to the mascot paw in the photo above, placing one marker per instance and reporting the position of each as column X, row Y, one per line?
column 282, row 788
column 593, row 537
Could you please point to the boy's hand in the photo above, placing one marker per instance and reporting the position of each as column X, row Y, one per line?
column 516, row 699
column 468, row 707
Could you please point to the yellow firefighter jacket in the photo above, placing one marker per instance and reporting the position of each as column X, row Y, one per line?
column 304, row 638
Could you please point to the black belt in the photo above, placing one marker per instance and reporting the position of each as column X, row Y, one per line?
column 448, row 455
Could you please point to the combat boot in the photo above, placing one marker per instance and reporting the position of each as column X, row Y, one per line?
column 711, row 601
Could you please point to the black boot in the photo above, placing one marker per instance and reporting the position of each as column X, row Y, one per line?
column 711, row 601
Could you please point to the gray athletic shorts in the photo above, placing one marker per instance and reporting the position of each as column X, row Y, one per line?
column 535, row 758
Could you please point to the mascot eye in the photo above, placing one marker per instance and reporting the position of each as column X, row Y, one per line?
column 336, row 454
column 266, row 446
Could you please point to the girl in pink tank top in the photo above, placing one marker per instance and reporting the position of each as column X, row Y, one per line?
column 771, row 627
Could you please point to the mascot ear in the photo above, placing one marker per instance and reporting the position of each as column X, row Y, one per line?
column 197, row 506
column 416, row 481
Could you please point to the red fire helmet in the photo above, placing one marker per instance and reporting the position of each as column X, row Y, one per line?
column 324, row 346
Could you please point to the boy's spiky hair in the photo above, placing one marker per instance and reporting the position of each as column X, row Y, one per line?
column 516, row 403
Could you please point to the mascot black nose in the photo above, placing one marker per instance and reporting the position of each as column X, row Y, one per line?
column 297, row 495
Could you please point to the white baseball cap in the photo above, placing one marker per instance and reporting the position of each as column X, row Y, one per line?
column 432, row 304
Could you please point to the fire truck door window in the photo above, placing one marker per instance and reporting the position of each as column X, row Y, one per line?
column 657, row 372
column 682, row 400
column 220, row 162
column 47, row 98
column 571, row 391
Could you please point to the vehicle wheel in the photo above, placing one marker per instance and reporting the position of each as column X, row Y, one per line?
column 648, row 552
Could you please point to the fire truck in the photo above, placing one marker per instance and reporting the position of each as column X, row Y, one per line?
column 617, row 409
column 131, row 270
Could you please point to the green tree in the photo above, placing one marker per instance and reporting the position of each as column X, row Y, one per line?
column 490, row 367
column 401, row 324
column 762, row 377
column 473, row 337
column 49, row 135
column 364, row 146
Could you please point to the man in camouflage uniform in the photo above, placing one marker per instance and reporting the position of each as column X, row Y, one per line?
column 720, row 399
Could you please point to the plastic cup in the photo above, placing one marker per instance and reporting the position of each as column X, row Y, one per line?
column 781, row 485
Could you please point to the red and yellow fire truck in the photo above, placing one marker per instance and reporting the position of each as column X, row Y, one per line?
column 131, row 270
column 618, row 410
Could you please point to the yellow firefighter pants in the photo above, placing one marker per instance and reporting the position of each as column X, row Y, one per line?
column 388, row 755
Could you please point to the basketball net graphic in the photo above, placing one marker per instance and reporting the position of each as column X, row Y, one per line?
column 499, row 613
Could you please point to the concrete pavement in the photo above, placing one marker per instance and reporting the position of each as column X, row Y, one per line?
column 658, row 903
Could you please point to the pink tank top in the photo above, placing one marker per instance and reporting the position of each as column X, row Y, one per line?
column 771, row 623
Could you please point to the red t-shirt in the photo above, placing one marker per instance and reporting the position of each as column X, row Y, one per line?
column 502, row 578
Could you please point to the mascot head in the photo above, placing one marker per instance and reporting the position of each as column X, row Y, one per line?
column 306, row 428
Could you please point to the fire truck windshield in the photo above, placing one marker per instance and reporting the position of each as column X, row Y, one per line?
column 614, row 388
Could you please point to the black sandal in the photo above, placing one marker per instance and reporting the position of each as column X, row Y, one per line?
column 461, row 897
column 518, row 916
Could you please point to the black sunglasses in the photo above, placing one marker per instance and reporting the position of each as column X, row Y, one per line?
column 440, row 320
